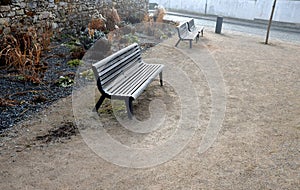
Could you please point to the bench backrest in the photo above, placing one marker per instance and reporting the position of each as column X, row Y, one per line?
column 191, row 25
column 182, row 30
column 109, row 69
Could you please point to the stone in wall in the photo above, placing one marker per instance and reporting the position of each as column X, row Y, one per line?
column 132, row 11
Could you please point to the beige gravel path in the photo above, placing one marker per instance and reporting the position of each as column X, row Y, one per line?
column 257, row 146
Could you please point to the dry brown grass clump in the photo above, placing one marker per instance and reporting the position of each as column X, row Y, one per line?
column 113, row 18
column 21, row 52
column 146, row 18
column 96, row 24
column 158, row 16
column 161, row 12
column 45, row 37
column 7, row 102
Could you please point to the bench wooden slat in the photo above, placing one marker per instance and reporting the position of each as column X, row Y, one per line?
column 127, row 85
column 114, row 63
column 150, row 78
column 112, row 75
column 112, row 57
column 118, row 62
column 120, row 65
column 139, row 79
column 118, row 80
column 125, row 82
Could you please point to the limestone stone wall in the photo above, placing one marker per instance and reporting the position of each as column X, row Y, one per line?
column 68, row 15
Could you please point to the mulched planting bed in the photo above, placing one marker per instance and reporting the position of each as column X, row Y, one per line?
column 20, row 99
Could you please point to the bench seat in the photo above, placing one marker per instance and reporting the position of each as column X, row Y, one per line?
column 134, row 81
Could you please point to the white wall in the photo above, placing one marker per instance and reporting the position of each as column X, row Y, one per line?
column 286, row 10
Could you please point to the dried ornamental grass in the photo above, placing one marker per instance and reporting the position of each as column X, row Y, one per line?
column 161, row 14
column 22, row 51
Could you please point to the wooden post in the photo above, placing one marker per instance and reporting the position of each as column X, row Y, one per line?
column 270, row 21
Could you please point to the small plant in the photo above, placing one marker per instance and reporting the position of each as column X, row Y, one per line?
column 64, row 81
column 129, row 39
column 75, row 62
column 77, row 52
column 88, row 74
column 76, row 48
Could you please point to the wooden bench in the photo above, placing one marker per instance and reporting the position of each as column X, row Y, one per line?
column 185, row 34
column 193, row 28
column 124, row 75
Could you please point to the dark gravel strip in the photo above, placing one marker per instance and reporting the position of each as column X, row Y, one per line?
column 25, row 98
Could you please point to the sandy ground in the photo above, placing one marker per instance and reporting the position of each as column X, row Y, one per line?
column 256, row 147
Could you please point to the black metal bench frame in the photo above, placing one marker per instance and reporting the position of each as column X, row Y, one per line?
column 124, row 75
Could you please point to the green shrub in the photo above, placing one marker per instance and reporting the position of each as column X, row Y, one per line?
column 74, row 62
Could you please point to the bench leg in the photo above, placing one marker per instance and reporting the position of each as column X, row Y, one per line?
column 197, row 38
column 128, row 102
column 160, row 79
column 191, row 43
column 177, row 43
column 98, row 104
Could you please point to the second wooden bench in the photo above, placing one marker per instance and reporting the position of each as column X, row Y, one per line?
column 193, row 28
column 185, row 34
column 188, row 31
